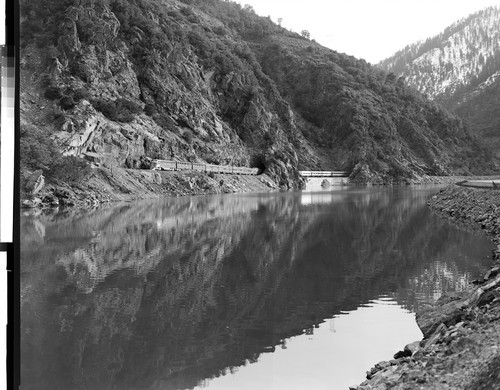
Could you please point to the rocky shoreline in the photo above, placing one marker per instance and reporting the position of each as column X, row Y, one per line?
column 118, row 184
column 461, row 344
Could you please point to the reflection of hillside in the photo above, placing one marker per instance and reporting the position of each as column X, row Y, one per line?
column 433, row 279
column 153, row 299
column 134, row 236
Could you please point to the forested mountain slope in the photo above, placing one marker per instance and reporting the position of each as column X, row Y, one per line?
column 117, row 83
column 459, row 68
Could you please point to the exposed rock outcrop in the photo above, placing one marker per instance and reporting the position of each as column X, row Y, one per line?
column 35, row 182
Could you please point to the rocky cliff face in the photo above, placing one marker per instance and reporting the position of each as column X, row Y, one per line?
column 119, row 83
column 459, row 68
column 120, row 101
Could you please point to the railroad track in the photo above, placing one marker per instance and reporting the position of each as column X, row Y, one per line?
column 166, row 165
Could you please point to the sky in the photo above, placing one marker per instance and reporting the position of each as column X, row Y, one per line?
column 368, row 29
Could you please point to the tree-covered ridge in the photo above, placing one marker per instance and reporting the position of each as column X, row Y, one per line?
column 211, row 81
column 480, row 109
column 356, row 109
column 401, row 58
column 449, row 64
column 459, row 68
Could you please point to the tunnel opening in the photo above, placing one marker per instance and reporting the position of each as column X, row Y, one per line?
column 258, row 161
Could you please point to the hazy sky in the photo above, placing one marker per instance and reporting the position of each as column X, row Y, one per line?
column 369, row 29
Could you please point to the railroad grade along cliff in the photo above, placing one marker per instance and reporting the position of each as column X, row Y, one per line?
column 120, row 83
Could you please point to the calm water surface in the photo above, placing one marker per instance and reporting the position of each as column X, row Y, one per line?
column 253, row 291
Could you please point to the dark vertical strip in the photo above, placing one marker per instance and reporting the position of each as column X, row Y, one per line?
column 13, row 255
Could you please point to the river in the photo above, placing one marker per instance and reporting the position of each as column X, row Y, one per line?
column 246, row 291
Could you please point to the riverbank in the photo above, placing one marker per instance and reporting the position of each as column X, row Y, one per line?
column 455, row 179
column 106, row 185
column 461, row 344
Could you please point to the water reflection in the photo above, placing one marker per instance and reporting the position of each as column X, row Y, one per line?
column 309, row 198
column 323, row 357
column 167, row 293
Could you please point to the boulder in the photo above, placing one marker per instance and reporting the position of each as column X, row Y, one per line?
column 31, row 203
column 436, row 336
column 492, row 273
column 401, row 354
column 411, row 348
column 448, row 310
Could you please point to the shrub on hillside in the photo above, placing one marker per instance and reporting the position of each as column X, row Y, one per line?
column 150, row 109
column 108, row 108
column 188, row 136
column 166, row 123
column 187, row 11
column 153, row 149
column 67, row 102
column 38, row 151
column 120, row 110
column 41, row 21
column 78, row 94
column 210, row 159
column 53, row 93
column 69, row 169
column 79, row 69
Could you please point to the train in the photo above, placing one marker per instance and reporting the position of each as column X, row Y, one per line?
column 166, row 165
column 324, row 173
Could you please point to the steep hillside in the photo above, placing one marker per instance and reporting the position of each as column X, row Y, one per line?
column 480, row 108
column 117, row 83
column 369, row 119
column 459, row 68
